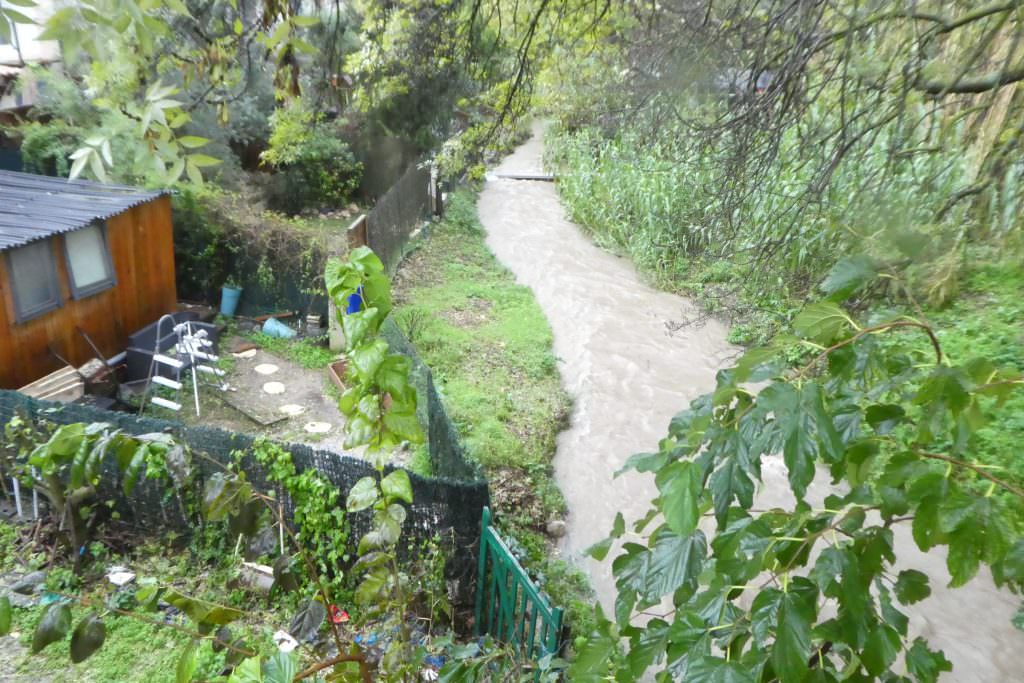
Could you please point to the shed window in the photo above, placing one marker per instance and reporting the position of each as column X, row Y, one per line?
column 33, row 280
column 88, row 260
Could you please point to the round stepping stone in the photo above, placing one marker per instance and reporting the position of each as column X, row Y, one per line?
column 251, row 353
column 318, row 427
column 291, row 409
column 266, row 368
column 273, row 388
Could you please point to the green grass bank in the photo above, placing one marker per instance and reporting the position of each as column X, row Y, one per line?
column 490, row 348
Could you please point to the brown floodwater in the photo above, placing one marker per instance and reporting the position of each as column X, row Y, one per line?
column 630, row 366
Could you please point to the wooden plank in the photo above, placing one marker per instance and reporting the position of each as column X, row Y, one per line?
column 545, row 177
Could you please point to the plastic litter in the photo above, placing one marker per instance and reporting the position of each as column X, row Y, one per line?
column 275, row 328
column 120, row 576
column 338, row 616
column 284, row 641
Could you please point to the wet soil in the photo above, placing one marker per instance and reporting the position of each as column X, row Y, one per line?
column 629, row 367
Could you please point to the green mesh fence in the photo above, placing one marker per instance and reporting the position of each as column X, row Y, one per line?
column 446, row 506
column 397, row 214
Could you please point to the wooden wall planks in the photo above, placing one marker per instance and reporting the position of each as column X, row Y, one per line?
column 141, row 245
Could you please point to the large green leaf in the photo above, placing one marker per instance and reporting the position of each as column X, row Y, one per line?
column 53, row 627
column 188, row 662
column 848, row 275
column 202, row 612
column 396, row 486
column 792, row 648
column 926, row 665
column 280, row 668
column 821, row 322
column 5, row 615
column 362, row 495
column 881, row 649
column 680, row 485
column 224, row 495
column 87, row 638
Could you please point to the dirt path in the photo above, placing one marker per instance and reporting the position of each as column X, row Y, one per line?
column 628, row 375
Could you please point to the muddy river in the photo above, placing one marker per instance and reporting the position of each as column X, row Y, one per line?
column 630, row 367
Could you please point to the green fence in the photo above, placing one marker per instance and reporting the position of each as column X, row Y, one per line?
column 509, row 607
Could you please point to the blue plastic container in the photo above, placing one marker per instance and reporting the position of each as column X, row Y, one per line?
column 275, row 328
column 355, row 302
column 229, row 297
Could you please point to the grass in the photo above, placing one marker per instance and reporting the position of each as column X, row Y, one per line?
column 490, row 349
column 987, row 320
column 307, row 352
column 136, row 651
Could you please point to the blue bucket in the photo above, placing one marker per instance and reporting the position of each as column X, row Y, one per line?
column 355, row 302
column 275, row 328
column 229, row 297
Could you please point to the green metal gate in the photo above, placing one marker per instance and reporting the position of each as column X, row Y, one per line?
column 509, row 607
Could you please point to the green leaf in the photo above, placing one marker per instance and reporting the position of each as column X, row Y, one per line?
column 396, row 486
column 883, row 418
column 600, row 550
column 192, row 142
column 5, row 615
column 880, row 651
column 202, row 160
column 821, row 322
column 730, row 481
column 305, row 22
column 53, row 627
column 680, row 486
column 792, row 646
column 17, row 17
column 362, row 495
column 912, row 586
column 202, row 611
column 848, row 275
column 925, row 665
column 187, row 663
column 280, row 668
column 87, row 638
column 224, row 495
column 249, row 671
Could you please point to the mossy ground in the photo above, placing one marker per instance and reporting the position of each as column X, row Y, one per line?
column 490, row 348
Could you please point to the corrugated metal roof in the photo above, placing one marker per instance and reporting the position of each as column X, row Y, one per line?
column 34, row 207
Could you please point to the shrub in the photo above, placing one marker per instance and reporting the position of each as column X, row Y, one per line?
column 315, row 166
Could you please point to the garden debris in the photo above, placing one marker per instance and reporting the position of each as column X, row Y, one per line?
column 273, row 388
column 284, row 641
column 317, row 427
column 258, row 577
column 120, row 576
column 292, row 409
column 266, row 368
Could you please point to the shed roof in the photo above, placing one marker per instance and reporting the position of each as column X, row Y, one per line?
column 34, row 207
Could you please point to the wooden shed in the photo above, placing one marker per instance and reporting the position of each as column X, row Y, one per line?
column 79, row 262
